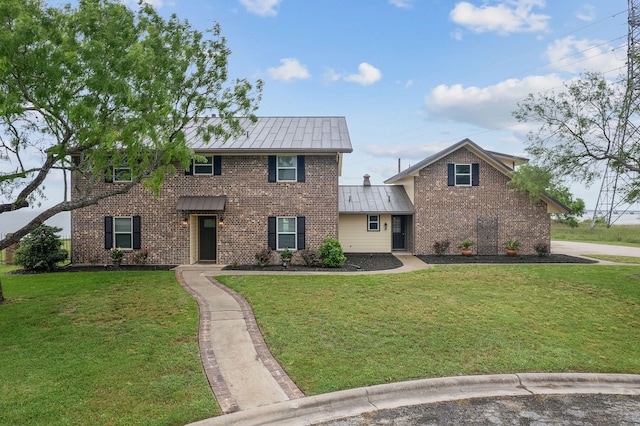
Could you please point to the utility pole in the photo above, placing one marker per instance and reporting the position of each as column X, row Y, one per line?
column 609, row 205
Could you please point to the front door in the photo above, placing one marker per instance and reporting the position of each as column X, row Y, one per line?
column 208, row 239
column 398, row 231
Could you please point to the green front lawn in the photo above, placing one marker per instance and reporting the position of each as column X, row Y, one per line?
column 332, row 333
column 621, row 235
column 108, row 348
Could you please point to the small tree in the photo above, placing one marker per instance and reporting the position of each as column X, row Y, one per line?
column 41, row 249
column 330, row 253
column 536, row 180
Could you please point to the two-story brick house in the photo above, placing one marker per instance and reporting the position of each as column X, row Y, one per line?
column 276, row 185
column 457, row 194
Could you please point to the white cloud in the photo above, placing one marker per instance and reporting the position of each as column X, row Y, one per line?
column 261, row 7
column 331, row 75
column 586, row 13
column 571, row 55
column 156, row 4
column 487, row 107
column 508, row 16
column 402, row 4
column 289, row 70
column 367, row 75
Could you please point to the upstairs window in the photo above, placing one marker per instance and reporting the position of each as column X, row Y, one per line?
column 211, row 165
column 122, row 174
column 287, row 170
column 463, row 174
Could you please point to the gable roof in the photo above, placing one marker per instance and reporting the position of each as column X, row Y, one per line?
column 373, row 199
column 494, row 159
column 279, row 135
column 488, row 156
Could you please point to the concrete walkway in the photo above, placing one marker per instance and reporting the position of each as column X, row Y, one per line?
column 251, row 387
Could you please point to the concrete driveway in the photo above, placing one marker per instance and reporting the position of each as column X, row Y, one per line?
column 572, row 248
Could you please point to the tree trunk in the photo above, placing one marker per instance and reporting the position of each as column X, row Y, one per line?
column 1, row 295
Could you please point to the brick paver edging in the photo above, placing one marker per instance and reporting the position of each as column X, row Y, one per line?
column 216, row 382
column 284, row 381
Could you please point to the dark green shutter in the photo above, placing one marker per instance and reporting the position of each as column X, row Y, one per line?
column 108, row 232
column 272, row 168
column 217, row 165
column 451, row 178
column 271, row 232
column 189, row 171
column 301, row 167
column 301, row 233
column 475, row 174
column 137, row 228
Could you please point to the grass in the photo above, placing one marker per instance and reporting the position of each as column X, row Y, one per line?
column 622, row 235
column 617, row 259
column 331, row 334
column 116, row 348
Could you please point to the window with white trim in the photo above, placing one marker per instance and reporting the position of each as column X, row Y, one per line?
column 286, row 233
column 373, row 222
column 287, row 168
column 122, row 173
column 463, row 174
column 203, row 167
column 123, row 232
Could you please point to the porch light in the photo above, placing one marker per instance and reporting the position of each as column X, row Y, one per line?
column 221, row 220
column 185, row 221
column 385, row 226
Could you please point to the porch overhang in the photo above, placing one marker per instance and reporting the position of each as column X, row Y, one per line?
column 202, row 204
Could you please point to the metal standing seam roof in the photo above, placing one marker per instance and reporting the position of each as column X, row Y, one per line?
column 373, row 199
column 202, row 203
column 279, row 134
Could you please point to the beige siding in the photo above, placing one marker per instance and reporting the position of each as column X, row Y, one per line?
column 355, row 238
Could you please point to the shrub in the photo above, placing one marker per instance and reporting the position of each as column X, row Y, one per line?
column 40, row 250
column 441, row 247
column 330, row 254
column 263, row 257
column 542, row 249
column 309, row 257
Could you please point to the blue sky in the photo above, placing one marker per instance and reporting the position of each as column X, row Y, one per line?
column 411, row 76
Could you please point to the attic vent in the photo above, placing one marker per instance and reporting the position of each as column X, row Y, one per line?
column 366, row 182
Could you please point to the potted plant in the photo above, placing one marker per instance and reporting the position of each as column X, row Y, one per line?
column 512, row 247
column 465, row 247
column 286, row 256
column 116, row 255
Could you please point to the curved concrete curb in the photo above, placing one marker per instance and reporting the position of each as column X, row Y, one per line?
column 338, row 405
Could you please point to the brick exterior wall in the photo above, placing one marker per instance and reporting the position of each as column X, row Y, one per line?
column 451, row 212
column 251, row 199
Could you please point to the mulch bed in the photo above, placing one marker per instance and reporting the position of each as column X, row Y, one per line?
column 502, row 259
column 101, row 267
column 355, row 262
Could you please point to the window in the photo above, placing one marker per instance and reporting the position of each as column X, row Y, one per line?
column 123, row 232
column 286, row 232
column 464, row 174
column 212, row 165
column 373, row 223
column 286, row 235
column 122, row 174
column 287, row 168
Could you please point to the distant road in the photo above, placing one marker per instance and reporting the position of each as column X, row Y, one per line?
column 572, row 248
